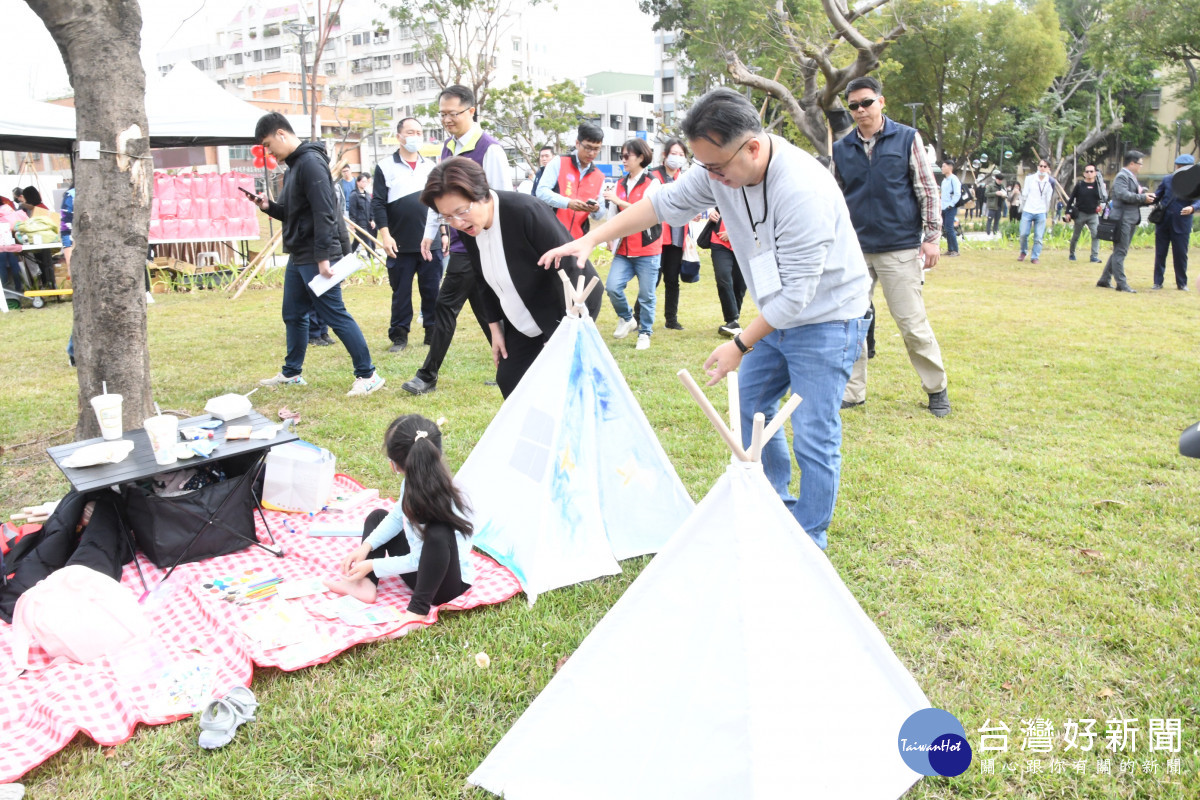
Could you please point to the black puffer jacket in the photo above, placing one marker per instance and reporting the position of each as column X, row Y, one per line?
column 308, row 206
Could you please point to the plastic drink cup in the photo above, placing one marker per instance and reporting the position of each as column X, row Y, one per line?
column 163, row 431
column 108, row 414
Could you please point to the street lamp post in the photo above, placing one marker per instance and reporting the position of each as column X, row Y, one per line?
column 1178, row 122
column 913, row 107
column 374, row 139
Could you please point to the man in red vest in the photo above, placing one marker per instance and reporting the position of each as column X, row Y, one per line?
column 572, row 184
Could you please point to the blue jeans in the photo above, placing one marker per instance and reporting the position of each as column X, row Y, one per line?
column 814, row 361
column 623, row 270
column 1038, row 221
column 10, row 266
column 298, row 300
column 948, row 215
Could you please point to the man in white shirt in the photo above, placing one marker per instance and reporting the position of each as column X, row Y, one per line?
column 400, row 221
column 1036, row 198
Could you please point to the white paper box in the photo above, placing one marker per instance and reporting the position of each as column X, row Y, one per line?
column 299, row 476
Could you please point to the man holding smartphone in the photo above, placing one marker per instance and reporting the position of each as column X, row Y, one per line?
column 571, row 184
column 310, row 213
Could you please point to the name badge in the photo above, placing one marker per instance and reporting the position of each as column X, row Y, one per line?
column 765, row 273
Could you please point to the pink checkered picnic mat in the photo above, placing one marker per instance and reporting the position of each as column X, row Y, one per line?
column 43, row 710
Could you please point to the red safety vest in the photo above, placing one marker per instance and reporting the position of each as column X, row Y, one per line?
column 648, row 242
column 664, row 178
column 571, row 186
column 717, row 242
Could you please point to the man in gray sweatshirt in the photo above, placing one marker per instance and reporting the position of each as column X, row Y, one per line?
column 788, row 223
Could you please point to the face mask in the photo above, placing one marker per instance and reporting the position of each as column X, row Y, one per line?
column 412, row 144
column 676, row 161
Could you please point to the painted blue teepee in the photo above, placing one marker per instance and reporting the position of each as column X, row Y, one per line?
column 569, row 478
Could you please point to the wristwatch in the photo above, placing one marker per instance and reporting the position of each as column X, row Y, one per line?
column 741, row 345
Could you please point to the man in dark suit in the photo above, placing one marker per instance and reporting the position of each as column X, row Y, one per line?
column 1175, row 228
column 1128, row 197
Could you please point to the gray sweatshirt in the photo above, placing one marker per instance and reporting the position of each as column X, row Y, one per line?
column 822, row 272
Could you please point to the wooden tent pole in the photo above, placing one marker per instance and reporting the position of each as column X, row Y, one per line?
column 734, row 445
column 735, row 406
column 756, row 437
column 782, row 415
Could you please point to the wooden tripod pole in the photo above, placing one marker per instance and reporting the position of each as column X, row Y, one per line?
column 261, row 259
column 246, row 273
column 734, row 445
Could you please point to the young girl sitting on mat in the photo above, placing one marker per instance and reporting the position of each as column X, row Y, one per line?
column 424, row 539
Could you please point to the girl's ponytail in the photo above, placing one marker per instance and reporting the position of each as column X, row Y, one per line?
column 415, row 445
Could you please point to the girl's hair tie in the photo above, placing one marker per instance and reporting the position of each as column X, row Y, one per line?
column 420, row 435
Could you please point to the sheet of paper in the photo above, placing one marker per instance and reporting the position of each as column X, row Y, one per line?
column 765, row 272
column 372, row 615
column 279, row 625
column 307, row 651
column 341, row 270
column 290, row 590
column 332, row 609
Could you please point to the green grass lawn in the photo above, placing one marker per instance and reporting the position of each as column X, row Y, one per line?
column 979, row 543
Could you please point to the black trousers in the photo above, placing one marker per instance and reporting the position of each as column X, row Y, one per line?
column 452, row 584
column 458, row 287
column 1165, row 238
column 401, row 270
column 668, row 273
column 731, row 286
column 522, row 352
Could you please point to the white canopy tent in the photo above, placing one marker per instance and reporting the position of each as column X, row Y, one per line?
column 184, row 109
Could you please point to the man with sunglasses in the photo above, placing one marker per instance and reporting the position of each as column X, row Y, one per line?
column 788, row 224
column 1037, row 197
column 893, row 198
column 456, row 109
column 571, row 184
column 1084, row 207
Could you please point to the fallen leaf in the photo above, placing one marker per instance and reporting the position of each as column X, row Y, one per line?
column 1007, row 685
column 1105, row 692
column 287, row 413
column 1084, row 551
column 110, row 752
column 559, row 664
column 482, row 660
column 881, row 615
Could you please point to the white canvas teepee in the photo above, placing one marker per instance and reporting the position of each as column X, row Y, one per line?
column 737, row 665
column 569, row 478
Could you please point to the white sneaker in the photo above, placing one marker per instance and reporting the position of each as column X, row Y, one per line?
column 729, row 330
column 624, row 328
column 643, row 342
column 281, row 380
column 366, row 385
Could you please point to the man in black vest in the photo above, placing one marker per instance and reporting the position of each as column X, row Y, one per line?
column 898, row 224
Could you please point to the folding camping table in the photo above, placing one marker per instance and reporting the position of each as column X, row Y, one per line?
column 140, row 464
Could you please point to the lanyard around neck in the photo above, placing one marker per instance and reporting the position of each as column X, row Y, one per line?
column 754, row 225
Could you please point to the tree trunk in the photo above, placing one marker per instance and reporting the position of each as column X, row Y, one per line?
column 99, row 42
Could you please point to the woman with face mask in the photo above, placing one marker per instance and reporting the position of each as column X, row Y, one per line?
column 399, row 219
column 675, row 158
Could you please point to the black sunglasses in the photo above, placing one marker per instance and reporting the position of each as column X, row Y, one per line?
column 854, row 106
